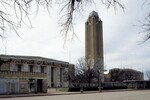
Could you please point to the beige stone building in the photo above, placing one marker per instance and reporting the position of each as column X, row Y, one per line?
column 31, row 74
column 94, row 42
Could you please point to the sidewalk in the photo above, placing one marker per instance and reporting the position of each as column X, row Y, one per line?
column 37, row 94
column 61, row 93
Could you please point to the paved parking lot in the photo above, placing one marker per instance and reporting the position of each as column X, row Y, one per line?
column 123, row 95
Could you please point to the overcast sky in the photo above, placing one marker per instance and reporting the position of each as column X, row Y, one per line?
column 120, row 29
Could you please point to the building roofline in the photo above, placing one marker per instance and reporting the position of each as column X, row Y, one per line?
column 38, row 58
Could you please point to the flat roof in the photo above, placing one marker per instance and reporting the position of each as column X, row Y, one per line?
column 37, row 58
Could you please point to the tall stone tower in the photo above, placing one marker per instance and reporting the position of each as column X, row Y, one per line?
column 94, row 42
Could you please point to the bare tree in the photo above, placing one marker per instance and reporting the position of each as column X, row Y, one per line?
column 145, row 24
column 86, row 76
column 146, row 28
column 72, row 6
column 14, row 13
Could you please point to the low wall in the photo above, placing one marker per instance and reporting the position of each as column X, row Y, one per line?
column 114, row 85
column 104, row 86
column 52, row 90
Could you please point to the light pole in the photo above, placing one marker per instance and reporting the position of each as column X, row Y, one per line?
column 98, row 69
column 99, row 81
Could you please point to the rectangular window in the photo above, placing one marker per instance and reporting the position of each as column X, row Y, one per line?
column 19, row 68
column 98, row 39
column 31, row 68
column 42, row 69
column 61, row 76
column 52, row 76
column 89, row 40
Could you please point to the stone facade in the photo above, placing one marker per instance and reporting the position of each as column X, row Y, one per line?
column 94, row 43
column 31, row 74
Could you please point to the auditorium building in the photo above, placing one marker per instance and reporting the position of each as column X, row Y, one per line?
column 32, row 74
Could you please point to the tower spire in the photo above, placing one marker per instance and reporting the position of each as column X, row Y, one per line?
column 93, row 13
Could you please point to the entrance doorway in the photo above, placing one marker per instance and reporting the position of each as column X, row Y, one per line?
column 39, row 85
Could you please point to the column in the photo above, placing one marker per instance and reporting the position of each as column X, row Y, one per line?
column 57, row 76
column 48, row 71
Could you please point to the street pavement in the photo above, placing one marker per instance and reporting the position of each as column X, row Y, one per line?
column 120, row 95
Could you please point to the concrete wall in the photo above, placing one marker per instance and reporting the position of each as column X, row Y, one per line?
column 45, row 85
column 23, row 85
column 26, row 67
column 10, row 70
column 9, row 85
